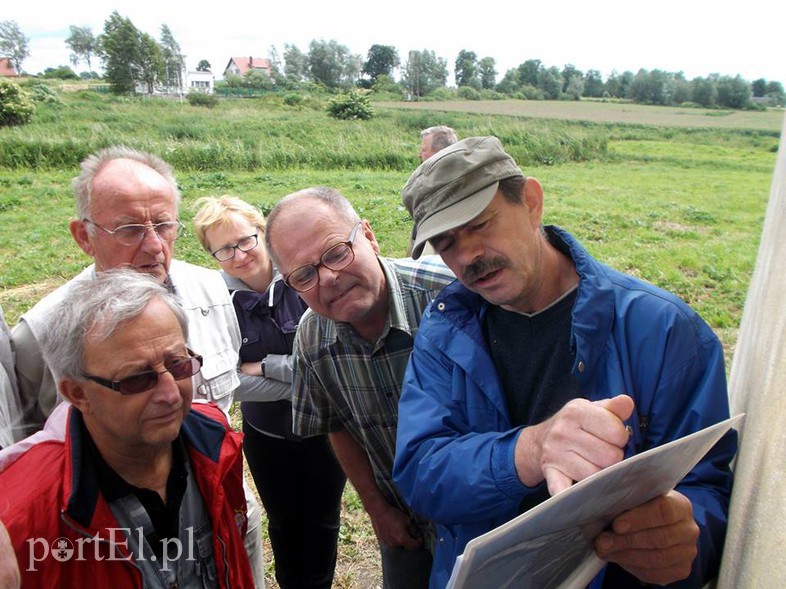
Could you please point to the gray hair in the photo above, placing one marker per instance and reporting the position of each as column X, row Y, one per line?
column 330, row 196
column 100, row 307
column 94, row 163
column 442, row 136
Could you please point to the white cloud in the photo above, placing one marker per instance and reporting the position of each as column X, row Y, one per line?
column 698, row 37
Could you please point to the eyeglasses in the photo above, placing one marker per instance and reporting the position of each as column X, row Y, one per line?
column 336, row 257
column 135, row 233
column 140, row 382
column 227, row 252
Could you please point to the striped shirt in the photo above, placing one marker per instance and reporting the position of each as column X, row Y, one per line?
column 342, row 381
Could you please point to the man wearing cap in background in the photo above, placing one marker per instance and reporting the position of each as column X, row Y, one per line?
column 541, row 366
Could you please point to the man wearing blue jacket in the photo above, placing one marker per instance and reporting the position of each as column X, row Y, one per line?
column 540, row 366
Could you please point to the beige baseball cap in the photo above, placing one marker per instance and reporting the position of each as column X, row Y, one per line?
column 454, row 186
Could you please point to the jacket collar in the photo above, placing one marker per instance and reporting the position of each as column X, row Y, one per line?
column 201, row 435
column 270, row 298
column 593, row 311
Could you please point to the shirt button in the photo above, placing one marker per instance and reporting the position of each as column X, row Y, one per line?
column 581, row 366
column 440, row 306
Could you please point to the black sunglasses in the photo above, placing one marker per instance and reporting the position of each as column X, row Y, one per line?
column 140, row 382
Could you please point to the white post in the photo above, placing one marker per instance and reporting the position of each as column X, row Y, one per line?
column 756, row 538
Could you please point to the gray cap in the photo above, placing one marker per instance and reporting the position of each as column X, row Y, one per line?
column 454, row 186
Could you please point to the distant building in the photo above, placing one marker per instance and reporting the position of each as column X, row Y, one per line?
column 240, row 65
column 7, row 68
column 200, row 82
column 192, row 81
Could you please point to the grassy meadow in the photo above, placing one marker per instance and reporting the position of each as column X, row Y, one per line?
column 679, row 205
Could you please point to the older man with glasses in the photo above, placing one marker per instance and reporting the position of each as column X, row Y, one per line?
column 351, row 351
column 127, row 217
column 146, row 489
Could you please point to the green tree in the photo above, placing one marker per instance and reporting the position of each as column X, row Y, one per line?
column 704, row 91
column 295, row 65
column 151, row 62
column 733, row 92
column 550, row 82
column 617, row 84
column 381, row 60
column 233, row 80
column 83, row 45
column 173, row 60
column 424, row 72
column 529, row 72
column 488, row 73
column 257, row 80
column 569, row 71
column 759, row 87
column 276, row 68
column 775, row 91
column 332, row 65
column 648, row 87
column 509, row 84
column 14, row 44
column 203, row 66
column 678, row 89
column 62, row 72
column 593, row 84
column 384, row 84
column 575, row 89
column 120, row 50
column 466, row 69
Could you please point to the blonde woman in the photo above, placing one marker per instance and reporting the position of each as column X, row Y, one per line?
column 299, row 480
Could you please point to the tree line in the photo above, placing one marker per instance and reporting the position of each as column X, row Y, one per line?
column 132, row 58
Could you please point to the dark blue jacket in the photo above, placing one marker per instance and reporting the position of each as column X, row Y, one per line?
column 454, row 455
column 268, row 322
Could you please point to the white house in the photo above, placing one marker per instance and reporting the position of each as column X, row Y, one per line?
column 193, row 81
column 203, row 82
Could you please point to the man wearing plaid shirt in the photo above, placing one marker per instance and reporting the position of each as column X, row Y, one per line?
column 351, row 351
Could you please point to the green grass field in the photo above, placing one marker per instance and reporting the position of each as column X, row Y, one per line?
column 680, row 205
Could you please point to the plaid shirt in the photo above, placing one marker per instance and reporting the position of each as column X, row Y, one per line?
column 344, row 381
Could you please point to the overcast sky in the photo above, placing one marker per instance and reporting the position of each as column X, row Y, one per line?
column 696, row 37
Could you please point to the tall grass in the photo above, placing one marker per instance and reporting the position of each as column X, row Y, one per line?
column 265, row 134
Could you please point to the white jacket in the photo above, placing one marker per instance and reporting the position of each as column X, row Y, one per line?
column 213, row 333
column 9, row 397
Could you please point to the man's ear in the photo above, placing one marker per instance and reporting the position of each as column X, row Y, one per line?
column 81, row 237
column 73, row 391
column 369, row 233
column 533, row 198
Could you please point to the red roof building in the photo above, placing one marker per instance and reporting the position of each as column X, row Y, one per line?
column 240, row 65
column 7, row 69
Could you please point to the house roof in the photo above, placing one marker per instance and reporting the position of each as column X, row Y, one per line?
column 249, row 63
column 7, row 68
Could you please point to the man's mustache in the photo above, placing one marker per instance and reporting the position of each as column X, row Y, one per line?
column 482, row 267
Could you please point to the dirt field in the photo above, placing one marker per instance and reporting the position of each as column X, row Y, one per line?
column 609, row 112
